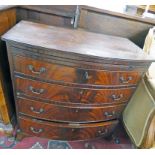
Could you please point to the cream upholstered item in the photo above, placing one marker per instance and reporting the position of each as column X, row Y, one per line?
column 139, row 115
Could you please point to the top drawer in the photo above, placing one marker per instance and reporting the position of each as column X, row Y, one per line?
column 55, row 72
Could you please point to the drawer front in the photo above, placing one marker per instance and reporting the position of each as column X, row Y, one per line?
column 49, row 71
column 62, row 131
column 71, row 94
column 60, row 113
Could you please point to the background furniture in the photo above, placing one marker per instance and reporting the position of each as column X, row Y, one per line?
column 71, row 85
column 139, row 115
column 7, row 20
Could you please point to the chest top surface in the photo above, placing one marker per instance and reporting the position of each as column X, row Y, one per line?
column 76, row 42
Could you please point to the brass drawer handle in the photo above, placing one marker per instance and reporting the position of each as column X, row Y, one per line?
column 125, row 81
column 41, row 110
column 102, row 132
column 81, row 92
column 41, row 70
column 36, row 130
column 117, row 98
column 36, row 91
column 108, row 114
column 86, row 75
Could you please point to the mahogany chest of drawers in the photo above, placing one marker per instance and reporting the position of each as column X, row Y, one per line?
column 71, row 84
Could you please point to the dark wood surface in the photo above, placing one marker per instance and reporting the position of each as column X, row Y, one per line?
column 73, row 95
column 113, row 23
column 66, row 92
column 61, row 113
column 81, row 42
column 88, row 18
column 62, row 131
column 54, row 72
column 63, row 16
column 76, row 60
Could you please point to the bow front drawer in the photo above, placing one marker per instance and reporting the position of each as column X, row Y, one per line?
column 74, row 95
column 65, row 131
column 55, row 72
column 61, row 113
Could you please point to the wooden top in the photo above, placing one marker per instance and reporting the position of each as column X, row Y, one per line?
column 6, row 7
column 75, row 41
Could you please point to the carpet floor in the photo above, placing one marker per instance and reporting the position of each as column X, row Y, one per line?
column 119, row 140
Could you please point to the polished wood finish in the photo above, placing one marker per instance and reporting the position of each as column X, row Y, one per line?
column 62, row 131
column 72, row 95
column 7, row 20
column 65, row 113
column 49, row 79
column 55, row 72
column 80, row 43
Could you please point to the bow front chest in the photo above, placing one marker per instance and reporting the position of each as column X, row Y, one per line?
column 71, row 84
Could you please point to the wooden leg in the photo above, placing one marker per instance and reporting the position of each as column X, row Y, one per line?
column 20, row 135
column 7, row 129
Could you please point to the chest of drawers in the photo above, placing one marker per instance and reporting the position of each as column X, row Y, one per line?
column 71, row 84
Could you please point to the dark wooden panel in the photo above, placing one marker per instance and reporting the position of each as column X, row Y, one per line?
column 60, row 10
column 75, row 60
column 50, row 71
column 7, row 20
column 62, row 131
column 67, row 113
column 52, row 15
column 71, row 94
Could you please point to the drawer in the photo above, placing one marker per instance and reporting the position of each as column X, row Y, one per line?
column 55, row 72
column 61, row 113
column 64, row 131
column 74, row 95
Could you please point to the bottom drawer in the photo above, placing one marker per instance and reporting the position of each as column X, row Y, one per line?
column 64, row 131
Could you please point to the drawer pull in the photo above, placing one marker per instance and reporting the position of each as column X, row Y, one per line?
column 36, row 91
column 108, row 114
column 41, row 110
column 41, row 70
column 36, row 130
column 117, row 98
column 123, row 80
column 81, row 92
column 86, row 75
column 102, row 132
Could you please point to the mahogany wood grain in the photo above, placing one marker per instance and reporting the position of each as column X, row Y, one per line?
column 77, row 60
column 66, row 54
column 53, row 112
column 72, row 94
column 51, row 71
column 64, row 131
